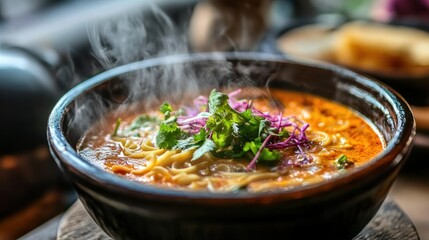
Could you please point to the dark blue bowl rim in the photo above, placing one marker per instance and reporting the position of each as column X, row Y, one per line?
column 402, row 139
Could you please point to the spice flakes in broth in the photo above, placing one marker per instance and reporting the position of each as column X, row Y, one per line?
column 223, row 143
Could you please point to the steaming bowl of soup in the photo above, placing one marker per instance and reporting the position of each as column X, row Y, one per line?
column 311, row 189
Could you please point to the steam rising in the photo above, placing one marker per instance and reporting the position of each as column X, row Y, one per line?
column 142, row 36
column 136, row 37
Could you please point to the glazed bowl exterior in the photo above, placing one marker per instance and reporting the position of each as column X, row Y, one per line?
column 335, row 209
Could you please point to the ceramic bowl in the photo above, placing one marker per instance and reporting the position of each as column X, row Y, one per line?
column 335, row 209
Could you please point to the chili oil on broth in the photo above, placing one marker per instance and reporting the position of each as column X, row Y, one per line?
column 334, row 131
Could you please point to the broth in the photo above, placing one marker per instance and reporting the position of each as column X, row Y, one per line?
column 312, row 140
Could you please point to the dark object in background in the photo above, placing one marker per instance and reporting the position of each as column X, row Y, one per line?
column 28, row 90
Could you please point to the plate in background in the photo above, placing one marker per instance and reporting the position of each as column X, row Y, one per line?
column 314, row 39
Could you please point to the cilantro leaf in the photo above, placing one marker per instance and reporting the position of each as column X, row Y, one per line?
column 193, row 141
column 201, row 136
column 199, row 141
column 247, row 114
column 222, row 133
column 217, row 100
column 165, row 107
column 168, row 135
column 342, row 162
column 249, row 130
column 265, row 155
column 185, row 144
column 269, row 155
column 263, row 124
column 207, row 146
column 252, row 146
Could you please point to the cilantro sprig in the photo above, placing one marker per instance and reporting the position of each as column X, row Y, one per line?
column 168, row 135
column 225, row 132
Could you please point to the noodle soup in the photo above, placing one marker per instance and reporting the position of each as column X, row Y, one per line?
column 229, row 142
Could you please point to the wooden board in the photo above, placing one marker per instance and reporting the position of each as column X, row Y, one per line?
column 390, row 223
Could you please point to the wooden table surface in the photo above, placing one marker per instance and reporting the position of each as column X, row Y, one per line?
column 390, row 223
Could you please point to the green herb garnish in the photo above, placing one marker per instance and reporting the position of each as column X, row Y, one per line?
column 342, row 162
column 168, row 135
column 118, row 123
column 228, row 131
column 138, row 123
column 166, row 109
column 141, row 121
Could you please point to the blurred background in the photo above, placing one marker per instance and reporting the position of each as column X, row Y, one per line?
column 49, row 46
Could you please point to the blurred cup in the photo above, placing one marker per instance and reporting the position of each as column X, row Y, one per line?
column 224, row 25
